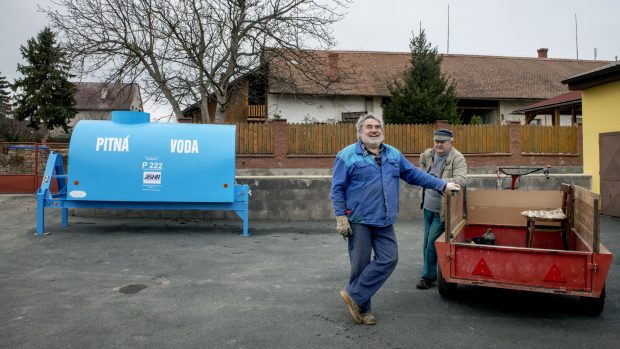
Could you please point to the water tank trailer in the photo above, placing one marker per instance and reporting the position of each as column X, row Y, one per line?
column 130, row 163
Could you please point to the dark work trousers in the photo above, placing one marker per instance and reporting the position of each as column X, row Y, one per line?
column 433, row 227
column 368, row 275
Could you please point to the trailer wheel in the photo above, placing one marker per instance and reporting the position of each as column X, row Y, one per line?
column 593, row 306
column 446, row 289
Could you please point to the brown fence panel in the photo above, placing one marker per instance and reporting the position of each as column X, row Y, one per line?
column 255, row 138
column 328, row 139
column 409, row 139
column 319, row 139
column 549, row 139
column 469, row 139
column 481, row 139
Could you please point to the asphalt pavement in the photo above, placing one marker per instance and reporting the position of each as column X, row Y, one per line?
column 112, row 282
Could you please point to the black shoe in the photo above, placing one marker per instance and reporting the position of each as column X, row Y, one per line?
column 423, row 284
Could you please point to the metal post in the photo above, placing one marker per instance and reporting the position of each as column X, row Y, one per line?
column 40, row 212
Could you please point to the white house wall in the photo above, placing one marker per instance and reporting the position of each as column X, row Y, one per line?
column 305, row 109
column 507, row 107
column 308, row 109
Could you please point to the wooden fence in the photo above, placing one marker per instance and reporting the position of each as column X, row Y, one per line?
column 549, row 139
column 327, row 139
column 319, row 139
column 255, row 138
column 481, row 139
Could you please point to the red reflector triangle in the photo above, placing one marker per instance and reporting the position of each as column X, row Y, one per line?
column 554, row 274
column 482, row 268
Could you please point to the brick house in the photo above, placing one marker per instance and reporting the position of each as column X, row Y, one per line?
column 97, row 100
column 345, row 84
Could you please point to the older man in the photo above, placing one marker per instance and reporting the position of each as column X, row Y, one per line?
column 441, row 161
column 364, row 193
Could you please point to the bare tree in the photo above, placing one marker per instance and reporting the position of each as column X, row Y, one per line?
column 188, row 50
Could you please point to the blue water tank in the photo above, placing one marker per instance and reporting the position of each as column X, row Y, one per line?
column 130, row 159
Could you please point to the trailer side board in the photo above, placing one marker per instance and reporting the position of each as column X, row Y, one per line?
column 456, row 214
column 586, row 217
column 503, row 207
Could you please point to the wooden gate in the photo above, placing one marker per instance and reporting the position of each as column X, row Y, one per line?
column 609, row 150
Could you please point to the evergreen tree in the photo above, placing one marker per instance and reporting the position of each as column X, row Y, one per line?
column 425, row 94
column 44, row 95
column 5, row 97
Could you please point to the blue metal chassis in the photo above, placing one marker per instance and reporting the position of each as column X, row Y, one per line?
column 55, row 170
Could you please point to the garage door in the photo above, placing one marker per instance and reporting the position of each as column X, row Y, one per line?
column 609, row 144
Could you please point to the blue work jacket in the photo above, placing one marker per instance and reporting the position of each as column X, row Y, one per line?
column 369, row 193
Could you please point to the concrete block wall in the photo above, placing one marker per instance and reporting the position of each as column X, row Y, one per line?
column 307, row 198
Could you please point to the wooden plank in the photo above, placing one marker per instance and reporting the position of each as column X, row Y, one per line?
column 270, row 131
column 585, row 195
column 584, row 220
column 458, row 227
column 254, row 138
column 455, row 205
column 587, row 216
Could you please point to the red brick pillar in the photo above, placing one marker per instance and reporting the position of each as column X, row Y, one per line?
column 280, row 140
column 515, row 142
column 442, row 124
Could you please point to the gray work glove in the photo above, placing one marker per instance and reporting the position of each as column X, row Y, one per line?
column 342, row 226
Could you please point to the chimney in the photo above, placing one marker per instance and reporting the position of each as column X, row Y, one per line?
column 104, row 93
column 332, row 73
column 542, row 52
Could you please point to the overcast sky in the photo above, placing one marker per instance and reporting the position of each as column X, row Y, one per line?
column 485, row 27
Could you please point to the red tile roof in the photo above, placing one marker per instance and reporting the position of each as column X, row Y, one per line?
column 365, row 73
column 569, row 98
column 116, row 96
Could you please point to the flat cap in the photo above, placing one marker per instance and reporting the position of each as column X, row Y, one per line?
column 442, row 134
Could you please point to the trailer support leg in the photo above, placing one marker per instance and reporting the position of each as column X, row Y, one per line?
column 65, row 217
column 40, row 214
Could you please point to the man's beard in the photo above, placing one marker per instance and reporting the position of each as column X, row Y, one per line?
column 372, row 142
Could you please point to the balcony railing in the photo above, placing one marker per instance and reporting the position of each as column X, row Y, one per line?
column 257, row 112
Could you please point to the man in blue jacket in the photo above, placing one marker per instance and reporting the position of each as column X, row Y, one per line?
column 365, row 193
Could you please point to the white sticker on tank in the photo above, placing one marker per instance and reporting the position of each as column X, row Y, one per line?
column 78, row 194
column 151, row 177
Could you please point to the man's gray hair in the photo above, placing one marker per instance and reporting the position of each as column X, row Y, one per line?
column 360, row 121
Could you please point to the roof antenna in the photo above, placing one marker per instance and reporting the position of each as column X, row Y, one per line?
column 576, row 41
column 448, row 47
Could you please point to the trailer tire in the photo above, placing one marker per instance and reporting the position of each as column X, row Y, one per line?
column 446, row 289
column 593, row 306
